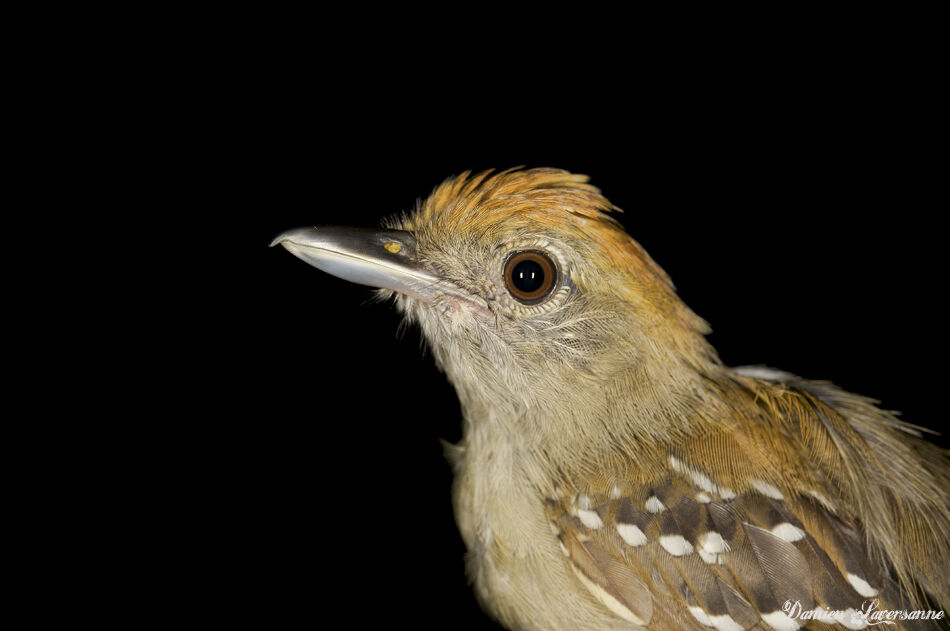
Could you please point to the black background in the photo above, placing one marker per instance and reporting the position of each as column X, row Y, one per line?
column 798, row 219
column 223, row 432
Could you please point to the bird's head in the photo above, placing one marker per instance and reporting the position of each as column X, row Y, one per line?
column 526, row 288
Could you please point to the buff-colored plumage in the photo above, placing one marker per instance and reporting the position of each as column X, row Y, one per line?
column 614, row 474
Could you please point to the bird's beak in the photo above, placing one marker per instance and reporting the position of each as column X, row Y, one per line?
column 378, row 258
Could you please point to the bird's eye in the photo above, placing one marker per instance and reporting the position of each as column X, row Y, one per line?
column 530, row 276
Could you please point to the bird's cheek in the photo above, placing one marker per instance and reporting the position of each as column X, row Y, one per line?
column 460, row 310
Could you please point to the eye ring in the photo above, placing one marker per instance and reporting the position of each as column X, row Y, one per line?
column 530, row 276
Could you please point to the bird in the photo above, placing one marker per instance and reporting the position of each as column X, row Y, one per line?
column 613, row 473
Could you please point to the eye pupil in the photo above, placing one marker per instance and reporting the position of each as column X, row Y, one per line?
column 530, row 276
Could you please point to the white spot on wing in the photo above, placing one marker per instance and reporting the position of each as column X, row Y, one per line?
column 780, row 622
column 698, row 478
column 713, row 542
column 767, row 489
column 701, row 616
column 710, row 545
column 676, row 545
column 722, row 623
column 726, row 494
column 676, row 465
column 590, row 519
column 702, row 498
column 725, row 623
column 702, row 481
column 861, row 586
column 631, row 534
column 788, row 532
column 654, row 505
column 615, row 492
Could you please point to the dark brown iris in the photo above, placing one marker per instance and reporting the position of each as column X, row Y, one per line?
column 530, row 276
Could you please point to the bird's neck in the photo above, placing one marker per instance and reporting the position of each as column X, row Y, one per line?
column 537, row 419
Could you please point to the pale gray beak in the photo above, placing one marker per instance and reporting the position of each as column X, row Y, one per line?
column 378, row 258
